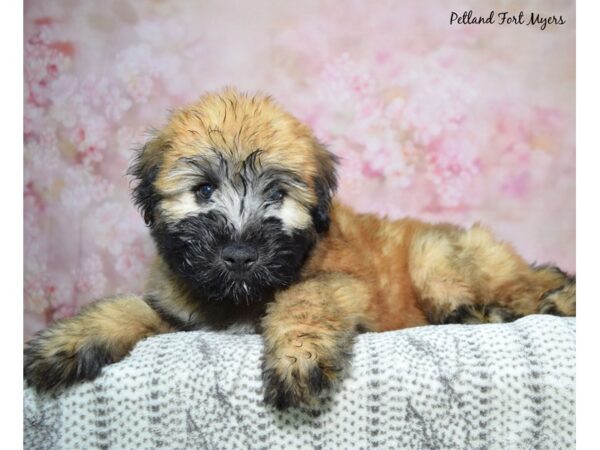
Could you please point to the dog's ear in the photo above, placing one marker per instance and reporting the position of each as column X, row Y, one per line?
column 325, row 184
column 144, row 169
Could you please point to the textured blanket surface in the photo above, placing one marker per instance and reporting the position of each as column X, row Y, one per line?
column 509, row 386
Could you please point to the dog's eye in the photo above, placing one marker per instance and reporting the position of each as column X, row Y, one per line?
column 204, row 191
column 275, row 195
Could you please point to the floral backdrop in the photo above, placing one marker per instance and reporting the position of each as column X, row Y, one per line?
column 459, row 123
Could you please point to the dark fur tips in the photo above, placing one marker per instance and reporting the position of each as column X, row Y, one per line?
column 474, row 314
column 50, row 371
column 144, row 169
column 325, row 185
column 276, row 391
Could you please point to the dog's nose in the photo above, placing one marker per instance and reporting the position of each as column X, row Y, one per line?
column 239, row 257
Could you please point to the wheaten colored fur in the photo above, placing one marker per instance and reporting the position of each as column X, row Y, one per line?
column 363, row 272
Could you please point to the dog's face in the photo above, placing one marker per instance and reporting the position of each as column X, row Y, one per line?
column 235, row 191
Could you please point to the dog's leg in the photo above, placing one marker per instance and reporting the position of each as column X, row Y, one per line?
column 479, row 313
column 559, row 300
column 308, row 334
column 77, row 348
column 467, row 276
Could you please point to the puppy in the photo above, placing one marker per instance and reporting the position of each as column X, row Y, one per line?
column 237, row 194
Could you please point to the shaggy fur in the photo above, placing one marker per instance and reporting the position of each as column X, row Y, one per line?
column 237, row 194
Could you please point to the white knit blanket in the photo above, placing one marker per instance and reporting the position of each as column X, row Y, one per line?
column 509, row 386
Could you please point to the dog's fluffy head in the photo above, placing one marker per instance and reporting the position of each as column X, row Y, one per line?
column 235, row 191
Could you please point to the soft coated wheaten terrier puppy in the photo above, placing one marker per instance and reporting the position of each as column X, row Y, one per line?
column 237, row 194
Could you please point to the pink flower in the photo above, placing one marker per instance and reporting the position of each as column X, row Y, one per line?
column 451, row 168
column 90, row 280
column 438, row 102
column 83, row 188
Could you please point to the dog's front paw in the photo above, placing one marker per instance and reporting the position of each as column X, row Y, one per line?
column 301, row 368
column 55, row 359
